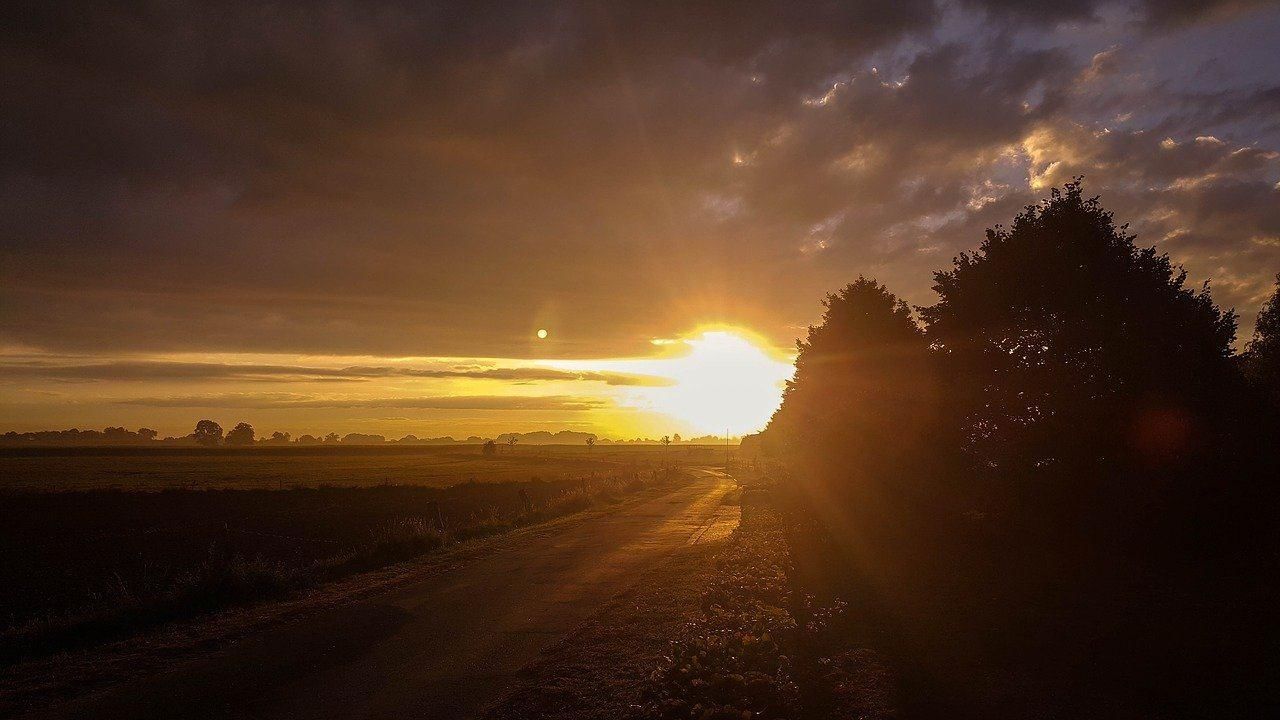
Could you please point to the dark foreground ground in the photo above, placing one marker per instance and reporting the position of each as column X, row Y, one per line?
column 101, row 543
column 71, row 557
column 972, row 644
column 441, row 639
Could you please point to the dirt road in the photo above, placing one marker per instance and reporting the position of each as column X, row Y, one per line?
column 442, row 647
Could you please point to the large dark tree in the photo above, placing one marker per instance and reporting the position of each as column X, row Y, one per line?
column 1264, row 348
column 853, row 417
column 1073, row 349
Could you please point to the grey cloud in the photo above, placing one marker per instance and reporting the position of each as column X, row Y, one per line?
column 160, row 370
column 1169, row 14
column 519, row 375
column 404, row 178
column 289, row 401
column 1046, row 12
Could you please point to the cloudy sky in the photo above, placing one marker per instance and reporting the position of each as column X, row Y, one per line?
column 355, row 215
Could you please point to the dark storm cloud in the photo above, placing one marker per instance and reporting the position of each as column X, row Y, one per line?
column 440, row 179
column 289, row 401
column 1177, row 13
column 1035, row 11
column 1156, row 14
column 282, row 168
column 169, row 370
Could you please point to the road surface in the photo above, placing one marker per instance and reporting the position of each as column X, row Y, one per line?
column 441, row 647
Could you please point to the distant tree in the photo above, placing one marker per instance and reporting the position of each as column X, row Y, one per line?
column 147, row 434
column 666, row 440
column 591, row 441
column 1070, row 346
column 117, row 434
column 241, row 434
column 363, row 439
column 676, row 438
column 490, row 448
column 512, row 440
column 332, row 439
column 278, row 438
column 308, row 440
column 207, row 432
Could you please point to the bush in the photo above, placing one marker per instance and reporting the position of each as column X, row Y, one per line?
column 396, row 541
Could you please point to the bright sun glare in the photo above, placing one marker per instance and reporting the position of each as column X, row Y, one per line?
column 725, row 381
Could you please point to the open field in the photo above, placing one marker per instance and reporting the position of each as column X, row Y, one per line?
column 154, row 468
column 101, row 543
column 445, row 633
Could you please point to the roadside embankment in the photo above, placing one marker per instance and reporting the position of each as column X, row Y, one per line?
column 762, row 646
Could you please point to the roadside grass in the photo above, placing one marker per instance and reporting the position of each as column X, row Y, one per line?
column 762, row 647
column 225, row 577
column 599, row 670
column 734, row 660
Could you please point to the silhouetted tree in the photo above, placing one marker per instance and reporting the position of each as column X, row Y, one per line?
column 277, row 438
column 147, row 434
column 490, row 448
column 1065, row 451
column 363, row 439
column 332, row 439
column 117, row 435
column 1069, row 347
column 241, row 434
column 591, row 442
column 1263, row 354
column 861, row 402
column 207, row 432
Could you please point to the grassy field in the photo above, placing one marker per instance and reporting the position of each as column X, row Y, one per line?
column 100, row 543
column 25, row 470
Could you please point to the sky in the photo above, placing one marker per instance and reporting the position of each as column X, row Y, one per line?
column 356, row 215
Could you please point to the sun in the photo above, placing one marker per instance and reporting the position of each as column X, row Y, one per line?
column 715, row 380
column 726, row 382
column 542, row 333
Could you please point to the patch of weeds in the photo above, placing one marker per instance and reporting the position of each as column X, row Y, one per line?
column 735, row 661
column 758, row 651
column 220, row 581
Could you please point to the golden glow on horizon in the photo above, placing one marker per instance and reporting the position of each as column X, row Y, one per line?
column 726, row 380
column 713, row 379
column 725, row 384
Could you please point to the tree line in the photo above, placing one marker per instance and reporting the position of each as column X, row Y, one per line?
column 210, row 433
column 1067, row 434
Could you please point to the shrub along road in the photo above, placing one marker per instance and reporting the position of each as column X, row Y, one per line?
column 439, row 647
